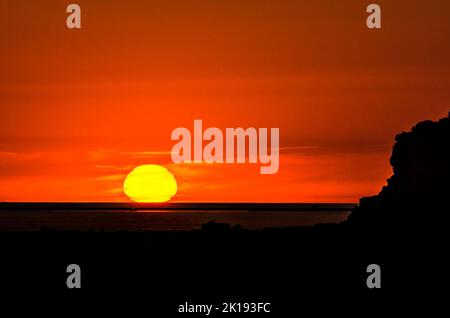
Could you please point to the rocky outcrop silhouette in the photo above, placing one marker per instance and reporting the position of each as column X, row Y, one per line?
column 418, row 192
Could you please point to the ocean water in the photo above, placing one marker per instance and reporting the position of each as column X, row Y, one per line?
column 167, row 219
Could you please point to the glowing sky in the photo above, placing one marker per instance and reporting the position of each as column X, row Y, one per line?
column 81, row 108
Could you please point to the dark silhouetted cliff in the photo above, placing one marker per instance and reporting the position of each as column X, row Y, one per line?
column 418, row 193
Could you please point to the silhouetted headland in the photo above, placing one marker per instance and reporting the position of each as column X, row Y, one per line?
column 418, row 193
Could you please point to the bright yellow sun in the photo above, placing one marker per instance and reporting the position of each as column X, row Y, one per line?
column 150, row 183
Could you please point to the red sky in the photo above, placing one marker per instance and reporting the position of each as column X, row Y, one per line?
column 81, row 108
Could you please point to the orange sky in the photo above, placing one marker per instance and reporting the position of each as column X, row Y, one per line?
column 81, row 108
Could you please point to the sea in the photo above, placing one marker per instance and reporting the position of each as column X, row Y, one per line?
column 165, row 217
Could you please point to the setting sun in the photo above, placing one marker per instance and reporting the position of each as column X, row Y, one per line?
column 150, row 183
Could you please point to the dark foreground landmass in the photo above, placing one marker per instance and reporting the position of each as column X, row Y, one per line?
column 403, row 230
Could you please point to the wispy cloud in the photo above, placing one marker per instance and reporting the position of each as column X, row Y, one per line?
column 112, row 177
